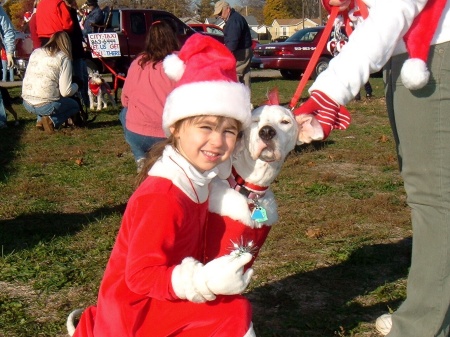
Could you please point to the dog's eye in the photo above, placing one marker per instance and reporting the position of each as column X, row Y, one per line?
column 285, row 121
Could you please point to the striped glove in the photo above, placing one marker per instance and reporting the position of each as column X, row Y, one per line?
column 328, row 113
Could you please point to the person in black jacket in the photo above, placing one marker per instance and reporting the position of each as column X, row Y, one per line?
column 237, row 38
column 79, row 65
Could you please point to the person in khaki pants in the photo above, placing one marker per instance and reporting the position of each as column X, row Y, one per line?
column 237, row 38
column 418, row 104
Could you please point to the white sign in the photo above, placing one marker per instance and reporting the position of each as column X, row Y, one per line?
column 104, row 44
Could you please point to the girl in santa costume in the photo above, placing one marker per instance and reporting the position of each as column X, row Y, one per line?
column 411, row 39
column 155, row 283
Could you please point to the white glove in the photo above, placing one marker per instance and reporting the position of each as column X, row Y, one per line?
column 225, row 275
column 9, row 57
column 183, row 282
column 199, row 283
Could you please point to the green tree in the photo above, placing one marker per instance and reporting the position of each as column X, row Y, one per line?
column 310, row 9
column 276, row 9
column 16, row 9
column 205, row 9
column 254, row 8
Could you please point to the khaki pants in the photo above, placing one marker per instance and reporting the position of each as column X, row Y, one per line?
column 420, row 122
column 243, row 59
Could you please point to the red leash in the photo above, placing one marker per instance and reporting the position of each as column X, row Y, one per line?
column 322, row 42
column 315, row 57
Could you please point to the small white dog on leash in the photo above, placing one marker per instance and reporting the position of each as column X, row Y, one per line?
column 98, row 89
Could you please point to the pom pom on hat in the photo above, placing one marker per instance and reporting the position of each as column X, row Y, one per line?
column 205, row 71
column 414, row 73
column 174, row 67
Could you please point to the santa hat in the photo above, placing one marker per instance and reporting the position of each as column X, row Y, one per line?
column 205, row 71
column 414, row 73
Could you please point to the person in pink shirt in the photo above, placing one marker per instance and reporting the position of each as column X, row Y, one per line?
column 145, row 90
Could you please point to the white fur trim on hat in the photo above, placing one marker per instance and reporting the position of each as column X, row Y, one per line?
column 215, row 98
column 174, row 67
column 414, row 74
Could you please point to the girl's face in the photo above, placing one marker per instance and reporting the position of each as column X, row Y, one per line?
column 205, row 142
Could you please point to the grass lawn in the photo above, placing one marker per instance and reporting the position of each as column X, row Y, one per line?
column 335, row 261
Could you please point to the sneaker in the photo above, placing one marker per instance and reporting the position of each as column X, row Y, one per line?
column 140, row 164
column 369, row 95
column 358, row 97
column 384, row 324
column 48, row 124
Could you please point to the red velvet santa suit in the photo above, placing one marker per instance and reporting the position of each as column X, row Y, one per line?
column 164, row 223
column 230, row 222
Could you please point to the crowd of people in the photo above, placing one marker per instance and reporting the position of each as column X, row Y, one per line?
column 57, row 60
column 179, row 119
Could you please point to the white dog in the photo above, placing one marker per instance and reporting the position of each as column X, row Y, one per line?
column 98, row 90
column 243, row 207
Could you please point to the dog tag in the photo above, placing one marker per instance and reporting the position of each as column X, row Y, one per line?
column 259, row 214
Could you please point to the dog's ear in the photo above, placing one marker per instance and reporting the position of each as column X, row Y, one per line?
column 309, row 129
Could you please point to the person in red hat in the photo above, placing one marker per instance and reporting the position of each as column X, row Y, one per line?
column 411, row 39
column 156, row 282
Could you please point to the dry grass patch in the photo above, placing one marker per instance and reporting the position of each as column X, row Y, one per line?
column 336, row 260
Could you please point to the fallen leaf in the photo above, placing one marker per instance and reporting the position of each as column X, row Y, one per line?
column 79, row 162
column 314, row 233
column 384, row 139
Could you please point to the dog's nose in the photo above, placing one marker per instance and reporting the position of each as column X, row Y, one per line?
column 267, row 132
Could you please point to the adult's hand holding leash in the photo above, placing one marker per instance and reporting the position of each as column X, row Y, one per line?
column 327, row 112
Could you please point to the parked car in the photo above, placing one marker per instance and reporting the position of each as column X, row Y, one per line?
column 215, row 31
column 24, row 47
column 281, row 38
column 292, row 56
column 207, row 28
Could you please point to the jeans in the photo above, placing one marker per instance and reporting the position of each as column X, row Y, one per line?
column 5, row 70
column 2, row 112
column 80, row 71
column 420, row 121
column 58, row 111
column 139, row 144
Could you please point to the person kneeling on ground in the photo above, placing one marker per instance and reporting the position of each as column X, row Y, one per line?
column 47, row 85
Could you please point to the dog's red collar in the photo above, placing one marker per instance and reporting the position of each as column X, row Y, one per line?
column 249, row 190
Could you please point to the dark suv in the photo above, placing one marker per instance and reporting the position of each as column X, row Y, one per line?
column 292, row 56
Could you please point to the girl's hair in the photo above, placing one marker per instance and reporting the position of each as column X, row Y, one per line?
column 161, row 40
column 59, row 41
column 156, row 151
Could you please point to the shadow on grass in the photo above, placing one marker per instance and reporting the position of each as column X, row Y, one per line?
column 320, row 302
column 25, row 231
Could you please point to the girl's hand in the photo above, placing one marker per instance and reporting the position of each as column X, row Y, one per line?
column 224, row 275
